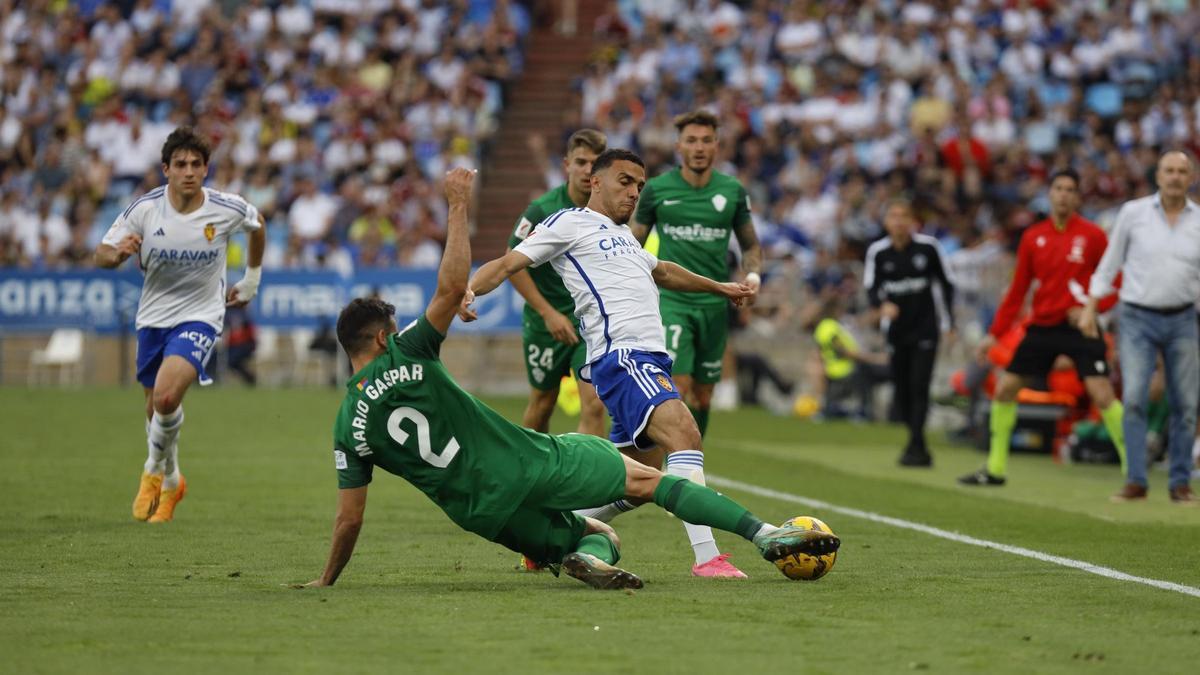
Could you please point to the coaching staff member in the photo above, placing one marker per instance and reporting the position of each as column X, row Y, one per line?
column 900, row 274
column 1155, row 244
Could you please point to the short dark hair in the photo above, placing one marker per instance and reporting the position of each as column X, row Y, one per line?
column 1065, row 173
column 360, row 320
column 185, row 138
column 591, row 139
column 611, row 155
column 701, row 117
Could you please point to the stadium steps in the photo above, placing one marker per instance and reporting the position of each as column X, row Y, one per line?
column 537, row 105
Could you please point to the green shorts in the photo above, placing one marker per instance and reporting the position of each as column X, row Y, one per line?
column 696, row 340
column 548, row 361
column 585, row 471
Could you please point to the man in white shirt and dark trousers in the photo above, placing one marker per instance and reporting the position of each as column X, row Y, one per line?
column 1155, row 244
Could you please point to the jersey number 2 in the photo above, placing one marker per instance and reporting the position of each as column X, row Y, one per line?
column 440, row 460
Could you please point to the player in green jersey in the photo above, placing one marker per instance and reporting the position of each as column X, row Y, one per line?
column 550, row 340
column 513, row 486
column 695, row 208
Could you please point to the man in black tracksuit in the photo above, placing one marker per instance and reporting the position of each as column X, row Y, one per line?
column 900, row 274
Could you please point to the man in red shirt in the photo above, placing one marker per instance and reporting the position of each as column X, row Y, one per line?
column 1060, row 253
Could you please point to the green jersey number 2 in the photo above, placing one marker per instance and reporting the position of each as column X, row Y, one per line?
column 440, row 460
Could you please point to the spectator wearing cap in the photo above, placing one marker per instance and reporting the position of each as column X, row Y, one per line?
column 1155, row 245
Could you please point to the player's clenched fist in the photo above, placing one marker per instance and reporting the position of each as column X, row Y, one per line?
column 128, row 246
column 458, row 185
column 737, row 291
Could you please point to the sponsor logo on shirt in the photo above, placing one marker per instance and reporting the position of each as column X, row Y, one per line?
column 696, row 232
column 906, row 286
column 671, row 202
column 160, row 232
column 185, row 257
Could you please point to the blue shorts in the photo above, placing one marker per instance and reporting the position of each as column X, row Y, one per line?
column 193, row 341
column 632, row 384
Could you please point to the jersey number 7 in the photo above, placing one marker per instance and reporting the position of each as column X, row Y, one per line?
column 440, row 460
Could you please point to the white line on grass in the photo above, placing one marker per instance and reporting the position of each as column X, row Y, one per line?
column 718, row 481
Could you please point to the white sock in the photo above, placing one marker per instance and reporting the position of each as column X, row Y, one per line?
column 154, row 456
column 608, row 511
column 164, row 432
column 689, row 464
column 1196, row 452
column 766, row 528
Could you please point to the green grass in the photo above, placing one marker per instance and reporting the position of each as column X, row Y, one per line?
column 84, row 588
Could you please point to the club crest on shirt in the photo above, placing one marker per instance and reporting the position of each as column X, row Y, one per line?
column 719, row 202
column 664, row 382
column 210, row 231
column 919, row 261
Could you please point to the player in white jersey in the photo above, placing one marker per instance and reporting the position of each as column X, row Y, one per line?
column 179, row 232
column 614, row 283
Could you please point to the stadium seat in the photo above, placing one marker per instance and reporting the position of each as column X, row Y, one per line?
column 65, row 352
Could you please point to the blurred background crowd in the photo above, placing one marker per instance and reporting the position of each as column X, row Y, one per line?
column 331, row 116
column 335, row 118
column 830, row 109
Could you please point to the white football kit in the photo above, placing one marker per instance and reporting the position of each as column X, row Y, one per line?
column 183, row 255
column 609, row 276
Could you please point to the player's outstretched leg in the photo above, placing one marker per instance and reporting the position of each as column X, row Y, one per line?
column 702, row 505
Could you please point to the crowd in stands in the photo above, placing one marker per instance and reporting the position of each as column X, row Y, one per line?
column 334, row 117
column 830, row 109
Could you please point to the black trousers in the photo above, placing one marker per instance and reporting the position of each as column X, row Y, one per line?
column 912, row 370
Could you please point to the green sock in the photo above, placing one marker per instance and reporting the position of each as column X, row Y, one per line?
column 599, row 546
column 701, row 415
column 1004, row 419
column 700, row 505
column 1112, row 416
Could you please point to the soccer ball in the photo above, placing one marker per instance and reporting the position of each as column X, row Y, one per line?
column 807, row 567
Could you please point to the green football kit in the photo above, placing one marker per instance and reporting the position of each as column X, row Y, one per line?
column 547, row 360
column 694, row 225
column 404, row 414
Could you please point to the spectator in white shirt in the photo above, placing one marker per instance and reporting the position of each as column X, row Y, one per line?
column 311, row 213
column 1155, row 245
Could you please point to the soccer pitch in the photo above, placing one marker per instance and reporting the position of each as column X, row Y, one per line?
column 84, row 588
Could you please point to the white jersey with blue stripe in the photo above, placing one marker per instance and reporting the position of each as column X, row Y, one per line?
column 183, row 255
column 608, row 275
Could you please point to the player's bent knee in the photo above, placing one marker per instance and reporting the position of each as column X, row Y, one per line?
column 600, row 527
column 167, row 401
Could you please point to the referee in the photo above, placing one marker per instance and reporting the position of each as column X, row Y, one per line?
column 900, row 275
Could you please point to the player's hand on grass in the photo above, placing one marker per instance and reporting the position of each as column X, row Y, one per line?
column 560, row 327
column 982, row 349
column 128, row 246
column 457, row 185
column 464, row 310
column 889, row 311
column 312, row 584
column 737, row 291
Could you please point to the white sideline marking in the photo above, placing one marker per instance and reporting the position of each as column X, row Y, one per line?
column 720, row 481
